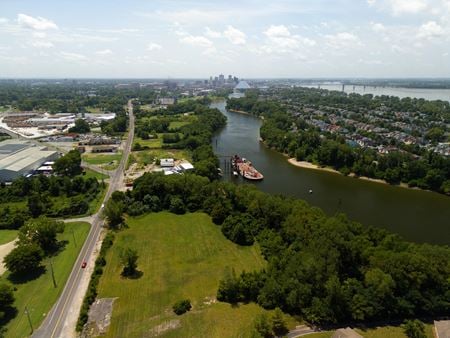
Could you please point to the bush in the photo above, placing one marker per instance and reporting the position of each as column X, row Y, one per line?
column 182, row 306
column 414, row 329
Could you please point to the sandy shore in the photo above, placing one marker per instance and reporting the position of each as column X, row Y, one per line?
column 308, row 165
column 245, row 113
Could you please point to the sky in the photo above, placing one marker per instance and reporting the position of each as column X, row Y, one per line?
column 246, row 38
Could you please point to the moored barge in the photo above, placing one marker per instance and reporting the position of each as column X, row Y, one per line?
column 245, row 168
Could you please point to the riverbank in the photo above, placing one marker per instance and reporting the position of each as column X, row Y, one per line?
column 309, row 165
column 245, row 113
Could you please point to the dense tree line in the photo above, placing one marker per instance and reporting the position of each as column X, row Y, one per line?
column 70, row 97
column 195, row 136
column 326, row 269
column 41, row 196
column 429, row 171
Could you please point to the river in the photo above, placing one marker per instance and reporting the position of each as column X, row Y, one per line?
column 428, row 94
column 419, row 216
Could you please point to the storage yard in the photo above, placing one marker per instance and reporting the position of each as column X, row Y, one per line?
column 35, row 124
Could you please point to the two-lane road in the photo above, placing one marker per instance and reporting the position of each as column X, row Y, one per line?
column 59, row 320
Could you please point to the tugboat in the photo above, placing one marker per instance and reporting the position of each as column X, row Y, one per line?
column 245, row 169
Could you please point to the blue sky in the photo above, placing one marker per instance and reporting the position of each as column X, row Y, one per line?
column 247, row 38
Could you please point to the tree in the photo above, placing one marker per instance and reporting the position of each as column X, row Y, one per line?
column 81, row 126
column 128, row 258
column 182, row 306
column 435, row 134
column 24, row 259
column 6, row 300
column 229, row 287
column 239, row 228
column 113, row 212
column 35, row 205
column 42, row 232
column 279, row 327
column 262, row 326
column 414, row 329
column 177, row 206
column 69, row 164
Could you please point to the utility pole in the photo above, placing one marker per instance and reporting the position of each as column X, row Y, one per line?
column 29, row 319
column 53, row 274
column 74, row 240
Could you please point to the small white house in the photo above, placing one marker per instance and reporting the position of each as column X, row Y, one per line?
column 167, row 162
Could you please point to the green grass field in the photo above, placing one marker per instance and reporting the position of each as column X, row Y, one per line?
column 180, row 257
column 177, row 124
column 106, row 161
column 39, row 295
column 379, row 332
column 91, row 173
column 7, row 236
column 145, row 157
column 151, row 143
column 93, row 110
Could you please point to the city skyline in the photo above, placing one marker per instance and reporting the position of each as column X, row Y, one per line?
column 195, row 39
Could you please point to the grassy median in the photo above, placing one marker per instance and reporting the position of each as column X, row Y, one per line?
column 180, row 257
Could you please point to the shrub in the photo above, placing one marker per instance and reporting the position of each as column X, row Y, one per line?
column 182, row 306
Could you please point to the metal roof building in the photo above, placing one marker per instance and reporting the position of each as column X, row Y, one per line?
column 19, row 158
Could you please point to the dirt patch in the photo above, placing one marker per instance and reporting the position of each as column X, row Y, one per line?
column 99, row 318
column 4, row 250
column 166, row 326
column 209, row 300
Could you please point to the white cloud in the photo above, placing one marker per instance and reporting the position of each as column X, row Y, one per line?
column 37, row 23
column 153, row 46
column 212, row 33
column 378, row 27
column 280, row 40
column 277, row 31
column 371, row 2
column 431, row 29
column 235, row 36
column 406, row 6
column 199, row 41
column 104, row 52
column 210, row 51
column 73, row 56
column 343, row 40
column 42, row 44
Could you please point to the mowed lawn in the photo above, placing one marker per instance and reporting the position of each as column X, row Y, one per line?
column 108, row 161
column 7, row 236
column 180, row 257
column 39, row 295
column 152, row 143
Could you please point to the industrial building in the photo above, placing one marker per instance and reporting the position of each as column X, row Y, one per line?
column 20, row 158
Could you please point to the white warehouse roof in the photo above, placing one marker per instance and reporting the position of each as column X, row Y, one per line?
column 25, row 158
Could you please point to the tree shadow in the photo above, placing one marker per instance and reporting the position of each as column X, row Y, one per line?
column 22, row 278
column 9, row 314
column 135, row 275
column 59, row 247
